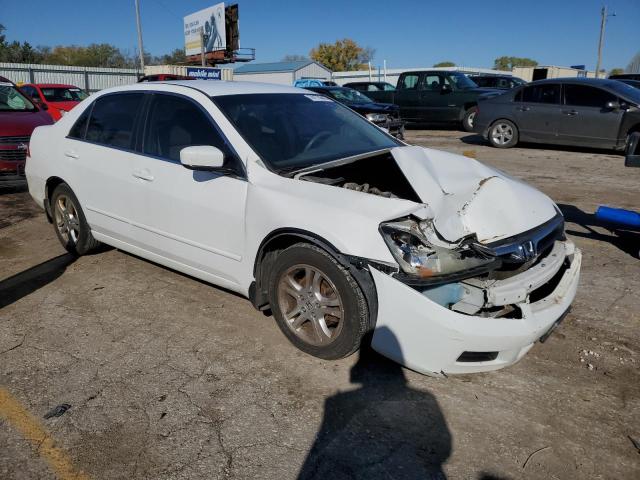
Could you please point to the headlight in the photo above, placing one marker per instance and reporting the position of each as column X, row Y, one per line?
column 417, row 256
column 376, row 117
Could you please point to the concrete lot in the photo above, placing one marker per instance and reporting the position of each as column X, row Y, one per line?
column 170, row 378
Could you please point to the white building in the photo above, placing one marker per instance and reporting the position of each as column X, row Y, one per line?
column 284, row 73
column 540, row 72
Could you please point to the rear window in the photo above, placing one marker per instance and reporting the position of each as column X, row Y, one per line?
column 547, row 93
column 586, row 96
column 113, row 118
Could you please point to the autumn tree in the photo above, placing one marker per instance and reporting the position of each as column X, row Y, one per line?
column 342, row 55
column 444, row 64
column 507, row 63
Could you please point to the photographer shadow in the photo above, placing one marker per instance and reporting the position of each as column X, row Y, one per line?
column 382, row 429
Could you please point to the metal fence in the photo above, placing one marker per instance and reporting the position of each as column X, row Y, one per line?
column 90, row 79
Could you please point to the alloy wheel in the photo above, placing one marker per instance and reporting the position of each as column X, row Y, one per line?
column 67, row 220
column 311, row 305
column 502, row 133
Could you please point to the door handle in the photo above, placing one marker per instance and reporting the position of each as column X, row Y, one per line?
column 570, row 112
column 143, row 175
column 71, row 154
column 523, row 109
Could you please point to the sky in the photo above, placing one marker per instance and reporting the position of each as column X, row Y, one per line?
column 405, row 34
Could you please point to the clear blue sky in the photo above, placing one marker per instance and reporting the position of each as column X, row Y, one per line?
column 406, row 33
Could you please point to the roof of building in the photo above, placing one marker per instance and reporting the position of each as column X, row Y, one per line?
column 274, row 67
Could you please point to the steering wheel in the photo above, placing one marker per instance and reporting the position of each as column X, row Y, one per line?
column 324, row 134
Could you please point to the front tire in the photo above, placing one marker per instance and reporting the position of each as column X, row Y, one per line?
column 469, row 118
column 70, row 223
column 317, row 303
column 503, row 134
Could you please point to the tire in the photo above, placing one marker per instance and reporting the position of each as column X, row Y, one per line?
column 503, row 134
column 469, row 117
column 70, row 223
column 317, row 303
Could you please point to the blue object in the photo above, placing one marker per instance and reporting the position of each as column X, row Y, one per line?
column 204, row 73
column 619, row 217
column 445, row 295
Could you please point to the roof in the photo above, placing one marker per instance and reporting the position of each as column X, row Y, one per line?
column 587, row 81
column 274, row 67
column 212, row 88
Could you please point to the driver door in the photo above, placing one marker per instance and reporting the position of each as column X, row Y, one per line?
column 194, row 218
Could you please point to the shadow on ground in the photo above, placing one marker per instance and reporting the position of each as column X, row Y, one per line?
column 382, row 429
column 628, row 242
column 475, row 139
column 25, row 283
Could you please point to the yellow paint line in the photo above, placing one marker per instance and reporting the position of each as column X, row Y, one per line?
column 31, row 429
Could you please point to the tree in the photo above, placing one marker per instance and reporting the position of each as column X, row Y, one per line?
column 292, row 57
column 507, row 63
column 342, row 55
column 444, row 64
column 616, row 71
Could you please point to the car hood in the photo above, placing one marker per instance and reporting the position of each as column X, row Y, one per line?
column 66, row 106
column 466, row 197
column 373, row 107
column 22, row 123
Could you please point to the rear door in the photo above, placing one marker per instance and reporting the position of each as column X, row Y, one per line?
column 537, row 111
column 99, row 153
column 586, row 118
column 407, row 96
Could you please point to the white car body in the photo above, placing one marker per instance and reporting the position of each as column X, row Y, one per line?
column 213, row 230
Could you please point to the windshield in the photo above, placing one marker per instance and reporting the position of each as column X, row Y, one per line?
column 11, row 100
column 63, row 94
column 461, row 81
column 626, row 91
column 293, row 131
column 349, row 95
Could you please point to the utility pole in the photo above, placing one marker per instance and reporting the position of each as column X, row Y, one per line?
column 603, row 22
column 140, row 47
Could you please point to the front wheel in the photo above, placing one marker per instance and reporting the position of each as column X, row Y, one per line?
column 469, row 118
column 503, row 134
column 317, row 303
column 70, row 223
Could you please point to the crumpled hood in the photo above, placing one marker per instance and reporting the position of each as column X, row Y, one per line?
column 467, row 197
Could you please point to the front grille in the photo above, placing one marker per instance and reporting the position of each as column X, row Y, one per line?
column 14, row 140
column 13, row 155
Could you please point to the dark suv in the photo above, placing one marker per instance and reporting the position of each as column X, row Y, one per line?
column 584, row 112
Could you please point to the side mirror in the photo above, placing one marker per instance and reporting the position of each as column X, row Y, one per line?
column 632, row 151
column 612, row 106
column 202, row 157
column 446, row 89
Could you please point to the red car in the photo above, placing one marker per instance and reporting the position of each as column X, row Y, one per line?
column 18, row 118
column 55, row 98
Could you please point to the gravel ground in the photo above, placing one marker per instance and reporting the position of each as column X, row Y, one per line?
column 170, row 378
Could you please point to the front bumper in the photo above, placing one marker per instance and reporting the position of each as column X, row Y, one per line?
column 433, row 339
column 393, row 126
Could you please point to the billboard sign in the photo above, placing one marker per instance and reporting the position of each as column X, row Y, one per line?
column 202, row 73
column 211, row 21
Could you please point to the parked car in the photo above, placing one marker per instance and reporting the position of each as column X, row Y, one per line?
column 384, row 115
column 370, row 86
column 18, row 117
column 501, row 82
column 585, row 112
column 625, row 76
column 56, row 98
column 633, row 83
column 313, row 82
column 163, row 77
column 297, row 202
column 435, row 97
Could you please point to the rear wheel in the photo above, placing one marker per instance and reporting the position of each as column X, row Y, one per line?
column 70, row 223
column 503, row 134
column 469, row 118
column 316, row 302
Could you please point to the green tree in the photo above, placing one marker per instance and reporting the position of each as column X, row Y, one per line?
column 616, row 71
column 444, row 64
column 342, row 55
column 507, row 63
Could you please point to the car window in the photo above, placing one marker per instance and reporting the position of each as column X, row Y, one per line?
column 408, row 82
column 503, row 83
column 12, row 100
column 63, row 94
column 587, row 96
column 30, row 91
column 79, row 128
column 175, row 123
column 547, row 93
column 113, row 118
column 431, row 83
column 373, row 88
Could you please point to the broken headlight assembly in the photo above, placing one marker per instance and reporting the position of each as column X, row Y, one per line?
column 427, row 259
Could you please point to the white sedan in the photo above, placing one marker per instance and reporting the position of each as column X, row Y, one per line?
column 345, row 233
